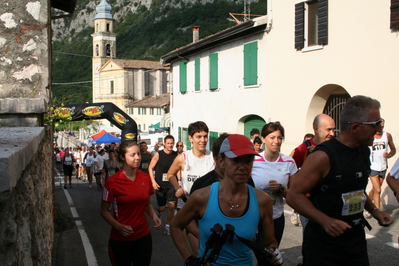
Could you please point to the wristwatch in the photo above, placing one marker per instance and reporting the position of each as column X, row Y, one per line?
column 281, row 189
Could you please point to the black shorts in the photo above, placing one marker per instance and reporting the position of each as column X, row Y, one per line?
column 137, row 251
column 319, row 248
column 165, row 194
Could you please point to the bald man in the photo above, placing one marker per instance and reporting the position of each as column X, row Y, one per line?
column 323, row 126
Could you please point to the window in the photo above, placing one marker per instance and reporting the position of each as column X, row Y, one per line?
column 151, row 111
column 213, row 71
column 107, row 27
column 139, row 126
column 108, row 50
column 251, row 63
column 97, row 50
column 144, row 111
column 111, row 86
column 334, row 105
column 311, row 24
column 183, row 77
column 138, row 110
column 159, row 111
column 197, row 74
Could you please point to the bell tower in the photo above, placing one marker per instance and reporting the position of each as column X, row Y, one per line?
column 104, row 43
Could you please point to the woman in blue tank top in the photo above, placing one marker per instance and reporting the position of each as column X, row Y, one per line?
column 230, row 201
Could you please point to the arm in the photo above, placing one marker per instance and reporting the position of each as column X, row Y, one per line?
column 266, row 226
column 194, row 207
column 153, row 163
column 177, row 165
column 124, row 230
column 392, row 148
column 394, row 185
column 150, row 212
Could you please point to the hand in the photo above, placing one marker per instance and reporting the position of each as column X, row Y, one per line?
column 125, row 230
column 274, row 186
column 335, row 227
column 155, row 185
column 157, row 221
column 383, row 218
column 180, row 193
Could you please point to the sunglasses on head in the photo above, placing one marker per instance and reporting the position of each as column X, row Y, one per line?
column 377, row 123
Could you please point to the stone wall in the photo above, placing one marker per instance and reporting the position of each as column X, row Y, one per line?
column 26, row 196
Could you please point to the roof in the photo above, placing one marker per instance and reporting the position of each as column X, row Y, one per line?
column 141, row 64
column 151, row 101
column 244, row 29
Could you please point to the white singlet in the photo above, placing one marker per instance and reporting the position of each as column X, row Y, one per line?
column 380, row 146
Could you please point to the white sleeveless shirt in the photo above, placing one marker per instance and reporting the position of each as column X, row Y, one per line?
column 380, row 146
column 195, row 167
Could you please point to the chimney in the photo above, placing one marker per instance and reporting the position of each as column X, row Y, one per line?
column 196, row 33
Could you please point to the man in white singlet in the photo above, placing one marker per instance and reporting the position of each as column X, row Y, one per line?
column 193, row 164
column 379, row 165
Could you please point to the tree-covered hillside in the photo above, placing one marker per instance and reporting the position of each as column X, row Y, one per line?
column 146, row 34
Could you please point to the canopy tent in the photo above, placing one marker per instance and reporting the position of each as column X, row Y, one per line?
column 99, row 134
column 106, row 138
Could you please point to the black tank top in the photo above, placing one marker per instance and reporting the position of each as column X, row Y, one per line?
column 163, row 165
column 341, row 194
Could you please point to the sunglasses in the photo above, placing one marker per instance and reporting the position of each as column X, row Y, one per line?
column 377, row 123
column 179, row 145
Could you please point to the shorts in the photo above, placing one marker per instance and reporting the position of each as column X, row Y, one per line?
column 165, row 194
column 319, row 248
column 381, row 174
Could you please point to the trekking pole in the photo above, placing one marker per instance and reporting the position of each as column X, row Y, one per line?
column 227, row 234
column 216, row 231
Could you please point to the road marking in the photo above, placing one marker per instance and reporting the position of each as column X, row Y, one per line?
column 394, row 245
column 90, row 256
column 369, row 236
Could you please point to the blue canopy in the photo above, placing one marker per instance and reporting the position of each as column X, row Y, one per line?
column 106, row 138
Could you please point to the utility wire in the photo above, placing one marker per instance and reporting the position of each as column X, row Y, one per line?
column 72, row 54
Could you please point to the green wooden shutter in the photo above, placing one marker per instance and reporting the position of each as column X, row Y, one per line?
column 213, row 71
column 251, row 63
column 183, row 77
column 179, row 134
column 197, row 75
column 394, row 15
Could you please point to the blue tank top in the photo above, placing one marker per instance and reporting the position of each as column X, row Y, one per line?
column 246, row 226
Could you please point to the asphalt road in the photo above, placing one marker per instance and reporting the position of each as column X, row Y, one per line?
column 81, row 234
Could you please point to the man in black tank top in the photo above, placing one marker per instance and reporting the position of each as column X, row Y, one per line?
column 160, row 163
column 336, row 176
column 145, row 157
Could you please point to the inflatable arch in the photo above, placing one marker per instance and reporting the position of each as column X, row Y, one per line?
column 109, row 111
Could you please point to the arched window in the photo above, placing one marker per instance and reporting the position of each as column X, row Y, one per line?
column 108, row 50
column 97, row 50
column 107, row 27
column 96, row 27
column 334, row 106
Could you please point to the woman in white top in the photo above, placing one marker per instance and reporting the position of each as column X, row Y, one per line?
column 67, row 164
column 89, row 162
column 271, row 173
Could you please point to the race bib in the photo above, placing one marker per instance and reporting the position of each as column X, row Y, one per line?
column 165, row 177
column 353, row 202
column 111, row 172
column 68, row 163
column 144, row 166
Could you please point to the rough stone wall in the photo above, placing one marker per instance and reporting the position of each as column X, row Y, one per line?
column 26, row 211
column 24, row 49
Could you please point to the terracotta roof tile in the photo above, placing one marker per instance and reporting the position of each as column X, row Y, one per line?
column 151, row 101
column 126, row 63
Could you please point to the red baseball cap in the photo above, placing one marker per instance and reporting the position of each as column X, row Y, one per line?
column 237, row 145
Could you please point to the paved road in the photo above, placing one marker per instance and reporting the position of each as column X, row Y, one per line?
column 81, row 234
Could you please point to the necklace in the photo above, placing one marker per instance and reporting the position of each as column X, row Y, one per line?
column 232, row 206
